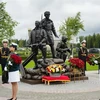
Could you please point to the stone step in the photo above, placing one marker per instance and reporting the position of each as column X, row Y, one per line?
column 29, row 81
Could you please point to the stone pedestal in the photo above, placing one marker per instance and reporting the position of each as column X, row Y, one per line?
column 34, row 76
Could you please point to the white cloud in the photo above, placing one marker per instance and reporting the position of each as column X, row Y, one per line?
column 27, row 11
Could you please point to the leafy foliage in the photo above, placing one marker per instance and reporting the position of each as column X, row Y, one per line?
column 93, row 41
column 7, row 24
column 71, row 26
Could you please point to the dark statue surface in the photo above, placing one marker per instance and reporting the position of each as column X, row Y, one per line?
column 48, row 26
column 37, row 40
column 40, row 71
column 62, row 48
column 39, row 37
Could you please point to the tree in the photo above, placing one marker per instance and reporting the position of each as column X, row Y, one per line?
column 21, row 43
column 7, row 24
column 97, row 41
column 93, row 41
column 89, row 41
column 71, row 26
column 81, row 38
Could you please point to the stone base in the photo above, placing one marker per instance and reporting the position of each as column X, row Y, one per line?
column 31, row 81
column 81, row 78
column 40, row 81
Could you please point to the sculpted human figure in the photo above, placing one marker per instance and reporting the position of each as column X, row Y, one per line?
column 62, row 48
column 48, row 26
column 38, row 39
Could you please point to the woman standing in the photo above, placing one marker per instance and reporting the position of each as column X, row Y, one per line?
column 13, row 70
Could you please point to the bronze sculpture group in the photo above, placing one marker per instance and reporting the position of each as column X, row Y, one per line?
column 41, row 35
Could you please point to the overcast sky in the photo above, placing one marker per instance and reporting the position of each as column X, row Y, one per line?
column 26, row 12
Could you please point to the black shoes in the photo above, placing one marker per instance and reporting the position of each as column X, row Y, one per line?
column 12, row 99
column 5, row 83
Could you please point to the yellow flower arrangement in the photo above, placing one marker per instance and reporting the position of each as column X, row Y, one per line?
column 55, row 68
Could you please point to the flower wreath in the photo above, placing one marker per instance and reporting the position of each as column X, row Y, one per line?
column 91, row 59
column 15, row 59
column 76, row 62
column 55, row 68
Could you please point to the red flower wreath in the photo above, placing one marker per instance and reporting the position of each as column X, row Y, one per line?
column 90, row 59
column 76, row 62
column 16, row 59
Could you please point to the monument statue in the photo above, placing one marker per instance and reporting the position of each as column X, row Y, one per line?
column 48, row 26
column 41, row 35
column 37, row 40
column 62, row 48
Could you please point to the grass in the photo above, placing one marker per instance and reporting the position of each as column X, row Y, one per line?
column 0, row 70
column 91, row 68
column 31, row 64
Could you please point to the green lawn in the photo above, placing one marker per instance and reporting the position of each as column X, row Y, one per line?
column 0, row 70
column 90, row 68
column 31, row 65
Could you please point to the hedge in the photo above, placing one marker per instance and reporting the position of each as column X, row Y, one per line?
column 38, row 56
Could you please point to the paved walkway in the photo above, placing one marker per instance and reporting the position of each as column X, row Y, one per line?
column 87, row 90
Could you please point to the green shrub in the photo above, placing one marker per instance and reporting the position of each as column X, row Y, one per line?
column 38, row 56
column 96, row 54
column 24, row 57
column 0, row 70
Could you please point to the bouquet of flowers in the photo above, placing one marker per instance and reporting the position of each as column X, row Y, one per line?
column 91, row 59
column 98, row 59
column 55, row 68
column 76, row 62
column 14, row 59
